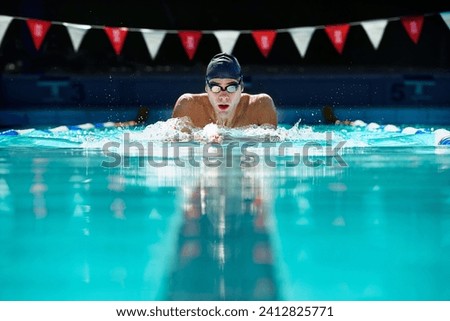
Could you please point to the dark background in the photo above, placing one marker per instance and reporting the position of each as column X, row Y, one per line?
column 95, row 55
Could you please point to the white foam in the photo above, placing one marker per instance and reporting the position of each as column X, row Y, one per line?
column 391, row 128
column 440, row 134
column 359, row 123
column 86, row 126
column 175, row 130
column 59, row 129
column 373, row 126
column 409, row 130
column 24, row 131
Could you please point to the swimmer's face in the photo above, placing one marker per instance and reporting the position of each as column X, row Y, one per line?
column 224, row 94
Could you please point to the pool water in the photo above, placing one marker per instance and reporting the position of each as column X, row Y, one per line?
column 377, row 230
column 298, row 213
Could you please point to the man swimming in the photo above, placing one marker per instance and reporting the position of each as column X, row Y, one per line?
column 224, row 102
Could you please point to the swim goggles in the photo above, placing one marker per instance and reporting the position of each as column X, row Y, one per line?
column 231, row 88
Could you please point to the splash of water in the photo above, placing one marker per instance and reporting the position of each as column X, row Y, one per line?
column 179, row 130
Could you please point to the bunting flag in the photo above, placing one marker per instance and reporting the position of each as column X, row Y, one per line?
column 338, row 35
column 190, row 40
column 227, row 39
column 264, row 40
column 117, row 37
column 446, row 17
column 153, row 39
column 375, row 31
column 38, row 30
column 302, row 36
column 413, row 26
column 76, row 33
column 4, row 24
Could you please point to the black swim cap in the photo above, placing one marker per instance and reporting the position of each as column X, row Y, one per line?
column 223, row 65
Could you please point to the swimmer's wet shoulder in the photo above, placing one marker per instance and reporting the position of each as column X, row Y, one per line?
column 224, row 102
column 194, row 106
column 255, row 110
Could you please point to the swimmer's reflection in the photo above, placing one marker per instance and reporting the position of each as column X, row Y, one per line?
column 224, row 251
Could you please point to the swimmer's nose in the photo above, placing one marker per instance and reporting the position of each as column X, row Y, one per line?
column 223, row 96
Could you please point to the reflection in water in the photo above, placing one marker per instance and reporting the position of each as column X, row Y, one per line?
column 73, row 230
column 224, row 249
column 38, row 188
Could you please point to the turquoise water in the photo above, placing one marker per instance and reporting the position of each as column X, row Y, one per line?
column 301, row 213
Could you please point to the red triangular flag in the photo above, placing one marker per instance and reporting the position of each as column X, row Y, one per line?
column 38, row 30
column 190, row 41
column 338, row 35
column 264, row 40
column 413, row 26
column 117, row 37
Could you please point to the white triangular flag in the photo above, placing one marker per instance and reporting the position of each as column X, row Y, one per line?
column 4, row 24
column 375, row 30
column 302, row 36
column 153, row 40
column 227, row 39
column 446, row 17
column 76, row 33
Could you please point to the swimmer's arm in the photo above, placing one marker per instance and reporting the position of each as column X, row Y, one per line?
column 267, row 111
column 183, row 106
column 181, row 110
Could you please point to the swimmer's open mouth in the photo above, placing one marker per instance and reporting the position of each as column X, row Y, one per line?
column 223, row 107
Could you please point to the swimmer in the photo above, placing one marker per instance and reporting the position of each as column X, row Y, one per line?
column 140, row 119
column 224, row 102
column 331, row 119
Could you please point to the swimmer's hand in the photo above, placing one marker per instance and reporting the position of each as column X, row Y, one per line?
column 182, row 124
column 188, row 132
column 212, row 134
column 181, row 129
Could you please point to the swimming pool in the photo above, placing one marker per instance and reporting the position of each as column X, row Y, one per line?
column 301, row 213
